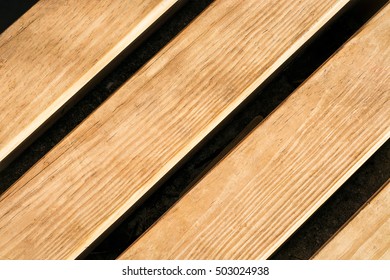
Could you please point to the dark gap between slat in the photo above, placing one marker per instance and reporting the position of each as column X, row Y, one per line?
column 11, row 10
column 261, row 104
column 338, row 209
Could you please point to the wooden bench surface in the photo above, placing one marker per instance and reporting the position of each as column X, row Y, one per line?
column 54, row 50
column 260, row 193
column 366, row 236
column 97, row 173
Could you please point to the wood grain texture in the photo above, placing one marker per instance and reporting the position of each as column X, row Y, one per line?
column 260, row 193
column 89, row 180
column 366, row 236
column 54, row 50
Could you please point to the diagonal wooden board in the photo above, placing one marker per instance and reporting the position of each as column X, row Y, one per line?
column 260, row 193
column 52, row 52
column 366, row 236
column 97, row 173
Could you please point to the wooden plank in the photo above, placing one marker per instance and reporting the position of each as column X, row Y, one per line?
column 366, row 236
column 55, row 50
column 122, row 150
column 259, row 194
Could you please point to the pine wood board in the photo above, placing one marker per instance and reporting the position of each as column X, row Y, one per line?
column 116, row 156
column 261, row 192
column 366, row 236
column 57, row 48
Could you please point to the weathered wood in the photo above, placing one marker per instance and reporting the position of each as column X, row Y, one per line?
column 97, row 173
column 366, row 236
column 54, row 50
column 259, row 194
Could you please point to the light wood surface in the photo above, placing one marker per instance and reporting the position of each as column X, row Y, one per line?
column 75, row 193
column 54, row 50
column 366, row 236
column 260, row 193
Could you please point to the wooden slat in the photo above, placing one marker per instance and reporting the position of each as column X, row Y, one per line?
column 122, row 150
column 259, row 194
column 54, row 50
column 366, row 236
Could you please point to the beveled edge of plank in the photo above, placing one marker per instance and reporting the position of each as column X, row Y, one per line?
column 365, row 206
column 106, row 64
